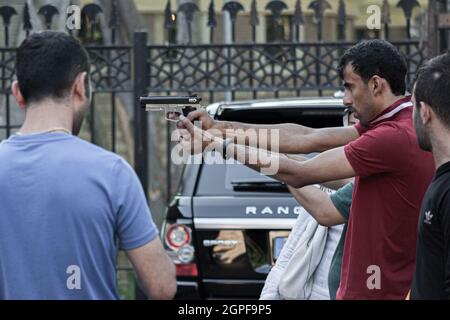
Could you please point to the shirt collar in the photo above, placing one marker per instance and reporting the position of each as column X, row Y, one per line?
column 392, row 110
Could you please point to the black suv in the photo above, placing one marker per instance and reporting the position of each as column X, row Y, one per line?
column 227, row 223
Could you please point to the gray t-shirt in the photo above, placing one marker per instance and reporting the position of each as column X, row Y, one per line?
column 66, row 206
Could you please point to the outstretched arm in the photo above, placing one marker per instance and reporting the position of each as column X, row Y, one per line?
column 283, row 138
column 318, row 204
column 328, row 166
column 334, row 185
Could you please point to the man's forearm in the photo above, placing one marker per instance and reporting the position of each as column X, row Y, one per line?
column 318, row 204
column 325, row 167
column 279, row 138
column 287, row 127
column 334, row 185
column 310, row 197
column 287, row 138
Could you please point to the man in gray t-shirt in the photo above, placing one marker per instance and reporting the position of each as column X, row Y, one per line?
column 67, row 206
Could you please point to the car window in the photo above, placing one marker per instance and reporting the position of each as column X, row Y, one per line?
column 219, row 179
column 216, row 179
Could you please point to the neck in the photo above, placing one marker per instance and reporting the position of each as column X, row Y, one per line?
column 380, row 105
column 441, row 147
column 47, row 116
column 389, row 100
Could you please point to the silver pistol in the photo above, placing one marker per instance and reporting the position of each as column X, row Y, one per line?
column 174, row 106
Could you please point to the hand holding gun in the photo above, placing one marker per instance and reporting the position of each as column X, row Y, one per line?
column 175, row 106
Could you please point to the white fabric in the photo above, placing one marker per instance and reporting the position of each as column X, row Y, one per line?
column 317, row 285
column 270, row 290
column 320, row 290
column 296, row 282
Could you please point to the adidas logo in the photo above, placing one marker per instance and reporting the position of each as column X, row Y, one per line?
column 428, row 217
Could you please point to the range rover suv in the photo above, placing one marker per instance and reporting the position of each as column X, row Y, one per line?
column 227, row 223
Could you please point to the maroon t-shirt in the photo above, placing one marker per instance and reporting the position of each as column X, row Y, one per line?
column 393, row 174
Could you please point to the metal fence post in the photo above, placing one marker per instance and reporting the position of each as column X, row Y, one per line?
column 141, row 155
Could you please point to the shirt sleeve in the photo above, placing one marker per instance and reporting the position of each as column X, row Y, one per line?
column 134, row 223
column 342, row 200
column 444, row 213
column 380, row 150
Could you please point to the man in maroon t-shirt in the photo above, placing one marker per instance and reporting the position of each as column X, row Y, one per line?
column 392, row 172
column 392, row 177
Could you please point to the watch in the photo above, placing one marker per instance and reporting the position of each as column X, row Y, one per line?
column 225, row 145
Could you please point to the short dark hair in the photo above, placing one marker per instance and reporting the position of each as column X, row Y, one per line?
column 377, row 57
column 47, row 64
column 433, row 86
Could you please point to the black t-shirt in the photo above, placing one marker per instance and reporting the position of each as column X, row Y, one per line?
column 432, row 276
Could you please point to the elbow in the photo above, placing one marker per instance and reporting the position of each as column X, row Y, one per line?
column 324, row 217
column 166, row 288
column 163, row 294
column 169, row 292
column 294, row 183
column 323, row 221
column 170, row 288
column 292, row 180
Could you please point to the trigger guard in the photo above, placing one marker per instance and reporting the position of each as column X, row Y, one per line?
column 188, row 110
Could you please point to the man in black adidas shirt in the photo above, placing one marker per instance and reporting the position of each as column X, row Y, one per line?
column 432, row 122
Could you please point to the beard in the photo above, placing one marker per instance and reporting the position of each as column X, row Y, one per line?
column 78, row 119
column 363, row 119
column 423, row 136
column 364, row 111
column 364, row 122
column 79, row 115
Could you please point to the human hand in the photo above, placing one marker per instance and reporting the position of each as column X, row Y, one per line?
column 203, row 117
column 194, row 139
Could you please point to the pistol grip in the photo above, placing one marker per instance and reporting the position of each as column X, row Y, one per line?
column 187, row 110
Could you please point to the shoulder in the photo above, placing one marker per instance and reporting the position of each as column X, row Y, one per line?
column 393, row 135
column 440, row 191
column 385, row 135
column 388, row 128
column 96, row 159
column 88, row 150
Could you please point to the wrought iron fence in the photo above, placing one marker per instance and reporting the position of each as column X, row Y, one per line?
column 292, row 66
column 110, row 64
column 256, row 68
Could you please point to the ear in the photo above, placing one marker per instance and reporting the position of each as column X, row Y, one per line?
column 376, row 85
column 18, row 95
column 425, row 113
column 78, row 88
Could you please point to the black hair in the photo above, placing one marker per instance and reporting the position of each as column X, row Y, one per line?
column 47, row 64
column 433, row 86
column 377, row 57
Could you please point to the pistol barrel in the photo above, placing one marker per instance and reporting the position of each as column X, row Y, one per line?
column 161, row 100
